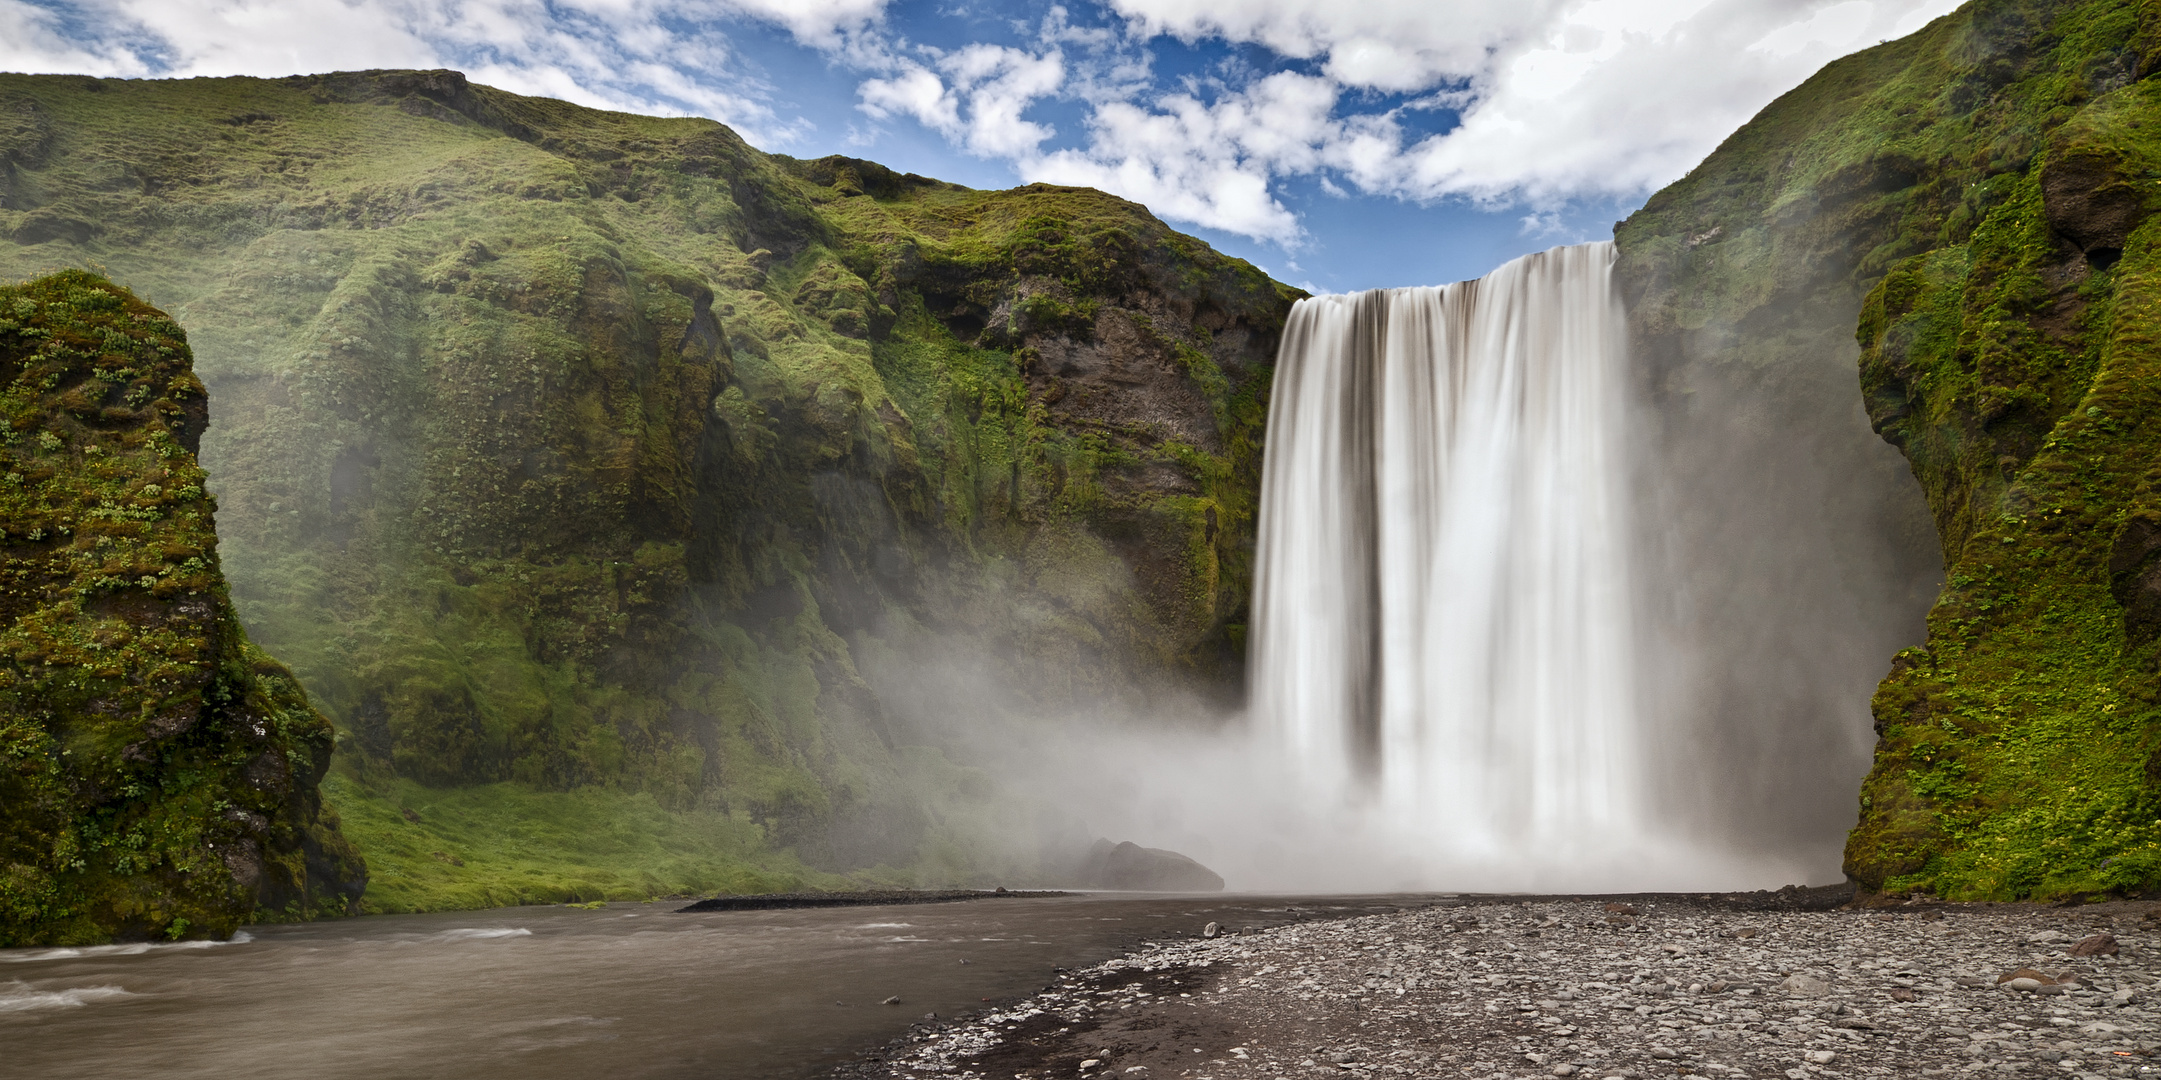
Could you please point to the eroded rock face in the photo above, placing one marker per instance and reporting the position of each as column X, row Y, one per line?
column 2092, row 198
column 157, row 772
column 2135, row 577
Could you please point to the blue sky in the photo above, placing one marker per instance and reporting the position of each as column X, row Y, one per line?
column 1338, row 144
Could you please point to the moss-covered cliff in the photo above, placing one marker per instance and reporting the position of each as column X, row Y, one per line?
column 158, row 773
column 589, row 466
column 1986, row 183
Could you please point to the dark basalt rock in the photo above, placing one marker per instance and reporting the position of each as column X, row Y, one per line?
column 2091, row 201
column 1129, row 866
column 2134, row 568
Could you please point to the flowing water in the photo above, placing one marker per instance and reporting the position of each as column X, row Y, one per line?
column 630, row 990
column 1444, row 606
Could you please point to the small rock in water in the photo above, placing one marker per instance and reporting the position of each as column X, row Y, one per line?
column 1211, row 930
column 894, row 1000
column 1800, row 985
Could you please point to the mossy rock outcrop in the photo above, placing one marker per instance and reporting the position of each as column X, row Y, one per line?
column 566, row 452
column 158, row 772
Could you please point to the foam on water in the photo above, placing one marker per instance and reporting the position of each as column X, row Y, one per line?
column 133, row 948
column 489, row 933
column 18, row 997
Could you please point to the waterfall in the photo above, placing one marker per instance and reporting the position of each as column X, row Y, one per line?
column 1444, row 611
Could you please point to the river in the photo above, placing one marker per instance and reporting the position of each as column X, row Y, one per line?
column 627, row 990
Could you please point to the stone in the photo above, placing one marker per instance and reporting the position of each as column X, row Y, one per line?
column 1210, row 930
column 1821, row 1057
column 2024, row 985
column 2025, row 973
column 1902, row 994
column 1803, row 985
column 1129, row 866
column 894, row 1000
column 2091, row 197
column 2101, row 944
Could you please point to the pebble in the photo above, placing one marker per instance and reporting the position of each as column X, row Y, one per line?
column 1491, row 990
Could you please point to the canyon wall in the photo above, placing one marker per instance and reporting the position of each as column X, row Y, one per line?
column 1969, row 203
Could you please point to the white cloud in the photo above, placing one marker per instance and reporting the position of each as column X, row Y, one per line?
column 35, row 40
column 1554, row 99
column 978, row 102
column 1381, row 44
column 1541, row 101
column 1210, row 164
column 654, row 56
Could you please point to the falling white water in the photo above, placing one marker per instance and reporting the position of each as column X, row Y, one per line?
column 1444, row 615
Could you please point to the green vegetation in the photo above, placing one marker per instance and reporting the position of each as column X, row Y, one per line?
column 157, row 772
column 580, row 464
column 1986, row 184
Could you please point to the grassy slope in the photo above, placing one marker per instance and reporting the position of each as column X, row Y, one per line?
column 577, row 461
column 2012, row 370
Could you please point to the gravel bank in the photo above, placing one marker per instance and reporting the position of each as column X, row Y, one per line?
column 1591, row 989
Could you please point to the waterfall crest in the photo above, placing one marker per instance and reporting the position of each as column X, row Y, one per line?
column 1445, row 618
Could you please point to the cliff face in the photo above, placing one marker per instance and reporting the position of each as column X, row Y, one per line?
column 571, row 453
column 1981, row 190
column 158, row 773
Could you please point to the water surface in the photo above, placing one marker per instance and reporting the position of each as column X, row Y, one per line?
column 629, row 990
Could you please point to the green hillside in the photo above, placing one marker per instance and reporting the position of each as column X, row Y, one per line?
column 588, row 467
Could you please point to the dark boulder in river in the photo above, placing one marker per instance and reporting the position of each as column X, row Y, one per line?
column 1131, row 866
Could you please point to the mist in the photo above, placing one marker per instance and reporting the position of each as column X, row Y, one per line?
column 1775, row 554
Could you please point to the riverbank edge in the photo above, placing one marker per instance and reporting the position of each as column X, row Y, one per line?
column 989, row 1028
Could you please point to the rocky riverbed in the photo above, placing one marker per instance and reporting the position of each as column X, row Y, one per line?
column 1593, row 988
